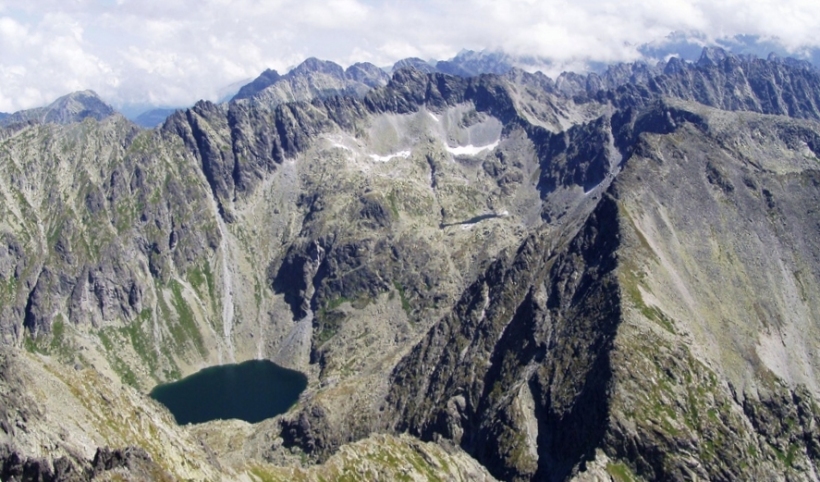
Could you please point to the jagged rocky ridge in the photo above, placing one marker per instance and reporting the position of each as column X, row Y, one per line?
column 317, row 78
column 615, row 283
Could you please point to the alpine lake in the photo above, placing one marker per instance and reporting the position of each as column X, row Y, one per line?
column 251, row 391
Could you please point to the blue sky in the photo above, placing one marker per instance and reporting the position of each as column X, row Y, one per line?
column 174, row 52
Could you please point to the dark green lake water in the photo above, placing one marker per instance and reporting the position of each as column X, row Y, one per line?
column 250, row 391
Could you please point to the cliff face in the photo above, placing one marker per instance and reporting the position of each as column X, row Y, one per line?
column 616, row 282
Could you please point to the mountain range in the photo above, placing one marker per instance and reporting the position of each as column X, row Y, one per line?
column 315, row 77
column 610, row 276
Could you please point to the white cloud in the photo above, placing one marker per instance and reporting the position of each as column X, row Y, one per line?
column 174, row 52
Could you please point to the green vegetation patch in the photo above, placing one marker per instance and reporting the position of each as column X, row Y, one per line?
column 393, row 204
column 137, row 334
column 630, row 284
column 620, row 472
column 789, row 456
column 329, row 320
column 184, row 328
column 405, row 303
column 57, row 343
column 202, row 280
column 109, row 339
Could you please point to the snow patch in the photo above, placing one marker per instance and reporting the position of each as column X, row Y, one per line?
column 470, row 150
column 340, row 146
column 593, row 189
column 402, row 154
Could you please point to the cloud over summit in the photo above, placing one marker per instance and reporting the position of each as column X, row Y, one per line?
column 173, row 52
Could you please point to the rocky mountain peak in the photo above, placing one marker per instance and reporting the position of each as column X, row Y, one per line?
column 314, row 65
column 69, row 108
column 416, row 63
column 469, row 63
column 712, row 56
column 408, row 75
column 368, row 74
column 266, row 78
column 674, row 65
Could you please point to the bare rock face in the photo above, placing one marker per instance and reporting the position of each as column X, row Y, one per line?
column 495, row 276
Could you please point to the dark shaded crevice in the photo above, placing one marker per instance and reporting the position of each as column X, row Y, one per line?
column 569, row 439
column 578, row 156
column 236, row 174
column 432, row 164
column 210, row 168
column 518, row 348
column 30, row 318
column 289, row 280
column 236, row 168
column 572, row 401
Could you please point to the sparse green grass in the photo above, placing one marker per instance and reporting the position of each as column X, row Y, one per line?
column 329, row 324
column 259, row 474
column 57, row 333
column 30, row 344
column 56, row 343
column 787, row 458
column 117, row 364
column 185, row 327
column 137, row 334
column 620, row 472
column 393, row 204
column 170, row 347
column 405, row 303
column 335, row 303
column 630, row 283
column 202, row 280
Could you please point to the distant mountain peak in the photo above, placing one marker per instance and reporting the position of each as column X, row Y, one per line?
column 313, row 78
column 712, row 56
column 73, row 107
column 368, row 74
column 266, row 78
column 415, row 62
column 313, row 65
column 468, row 63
